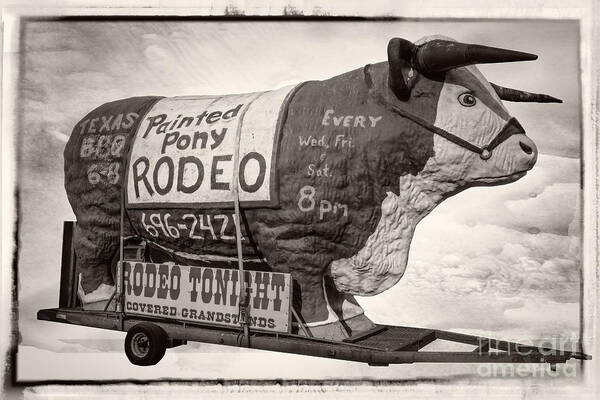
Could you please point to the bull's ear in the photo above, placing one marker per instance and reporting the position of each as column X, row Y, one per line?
column 401, row 76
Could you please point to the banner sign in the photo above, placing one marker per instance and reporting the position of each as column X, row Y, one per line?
column 206, row 295
column 183, row 151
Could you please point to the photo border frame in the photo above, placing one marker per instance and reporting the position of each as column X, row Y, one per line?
column 429, row 10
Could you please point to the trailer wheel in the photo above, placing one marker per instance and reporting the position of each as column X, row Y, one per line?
column 145, row 344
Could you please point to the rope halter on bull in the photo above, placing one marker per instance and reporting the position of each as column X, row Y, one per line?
column 437, row 57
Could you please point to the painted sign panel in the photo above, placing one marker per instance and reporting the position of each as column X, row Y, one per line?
column 183, row 152
column 206, row 295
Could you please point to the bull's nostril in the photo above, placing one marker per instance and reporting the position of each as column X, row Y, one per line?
column 526, row 148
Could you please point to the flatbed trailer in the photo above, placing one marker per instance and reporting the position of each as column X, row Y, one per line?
column 149, row 336
column 380, row 346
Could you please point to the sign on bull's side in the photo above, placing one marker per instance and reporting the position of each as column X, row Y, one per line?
column 206, row 295
column 183, row 151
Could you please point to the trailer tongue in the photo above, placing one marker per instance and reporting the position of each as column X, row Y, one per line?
column 270, row 322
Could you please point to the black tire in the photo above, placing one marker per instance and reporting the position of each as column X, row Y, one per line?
column 145, row 344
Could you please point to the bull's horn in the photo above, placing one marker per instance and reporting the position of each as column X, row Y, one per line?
column 441, row 55
column 400, row 52
column 509, row 94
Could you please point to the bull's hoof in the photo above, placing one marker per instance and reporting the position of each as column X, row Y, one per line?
column 99, row 305
column 340, row 330
column 96, row 299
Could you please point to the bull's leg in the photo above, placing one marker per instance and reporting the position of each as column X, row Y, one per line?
column 350, row 314
column 94, row 253
column 309, row 297
column 326, row 313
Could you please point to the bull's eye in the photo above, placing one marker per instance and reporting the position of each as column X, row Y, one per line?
column 467, row 99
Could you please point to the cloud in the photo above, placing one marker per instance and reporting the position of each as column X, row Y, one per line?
column 496, row 261
column 545, row 200
column 550, row 211
column 520, row 239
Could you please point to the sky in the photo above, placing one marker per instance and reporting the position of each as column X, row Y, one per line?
column 501, row 261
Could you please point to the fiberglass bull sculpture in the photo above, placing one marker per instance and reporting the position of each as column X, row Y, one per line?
column 332, row 176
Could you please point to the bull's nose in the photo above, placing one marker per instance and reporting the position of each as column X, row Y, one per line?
column 526, row 148
column 529, row 148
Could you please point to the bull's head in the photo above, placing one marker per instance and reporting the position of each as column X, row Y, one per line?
column 477, row 140
column 434, row 83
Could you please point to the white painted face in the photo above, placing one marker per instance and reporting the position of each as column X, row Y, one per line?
column 469, row 108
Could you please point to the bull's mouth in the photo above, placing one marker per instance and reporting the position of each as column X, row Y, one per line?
column 501, row 180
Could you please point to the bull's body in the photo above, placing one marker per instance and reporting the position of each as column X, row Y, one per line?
column 352, row 180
